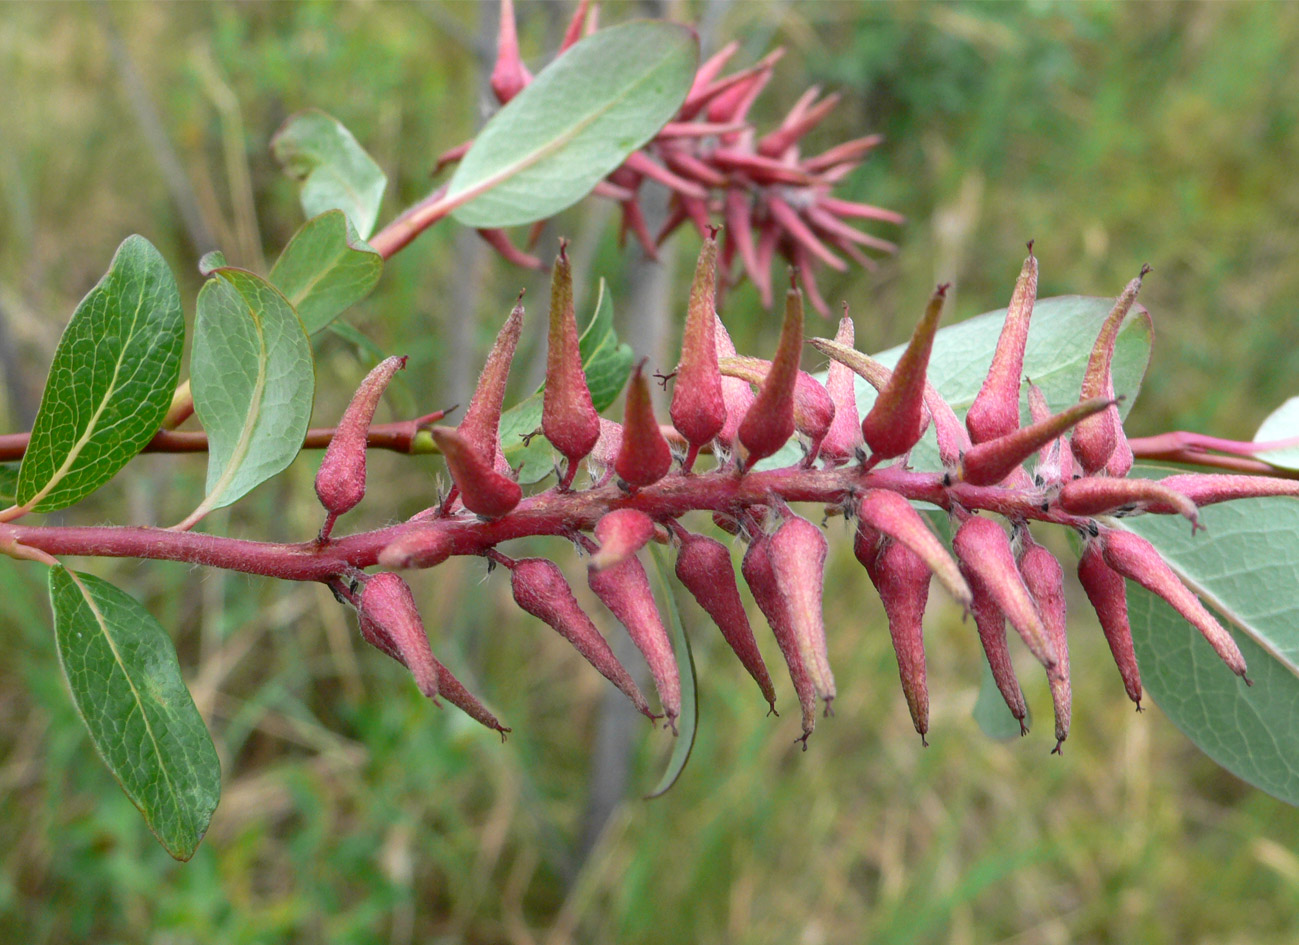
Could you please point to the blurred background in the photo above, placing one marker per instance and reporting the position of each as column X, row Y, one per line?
column 353, row 811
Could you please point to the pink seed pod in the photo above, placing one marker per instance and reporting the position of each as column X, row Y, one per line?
column 887, row 512
column 607, row 446
column 644, row 456
column 624, row 588
column 814, row 410
column 984, row 553
column 704, row 568
column 621, row 533
column 340, row 481
column 761, row 577
column 482, row 489
column 797, row 551
column 1055, row 460
column 1095, row 440
column 568, row 417
column 1137, row 560
column 1209, row 489
column 1102, row 495
column 417, row 548
column 737, row 394
column 1108, row 593
column 844, row 437
column 540, row 589
column 1044, row 579
column 995, row 411
column 902, row 579
column 991, row 461
column 898, row 419
column 952, row 438
column 770, row 421
column 991, row 624
column 455, row 692
column 481, row 425
column 390, row 621
column 698, row 409
column 509, row 74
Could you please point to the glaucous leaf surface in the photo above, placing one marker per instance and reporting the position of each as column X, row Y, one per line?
column 576, row 122
column 1281, row 424
column 111, row 381
column 126, row 683
column 333, row 170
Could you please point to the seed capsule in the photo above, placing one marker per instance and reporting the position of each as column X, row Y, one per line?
column 482, row 489
column 991, row 624
column 737, row 394
column 993, row 460
column 770, row 421
column 698, row 409
column 621, row 533
column 1044, row 579
column 797, row 551
column 340, row 481
column 704, row 568
column 995, row 411
column 1055, row 459
column 1108, row 593
column 624, row 588
column 418, row 548
column 1102, row 495
column 844, row 437
column 1208, row 489
column 454, row 691
column 644, row 457
column 814, row 411
column 569, row 419
column 390, row 621
column 898, row 419
column 481, row 425
column 1136, row 559
column 540, row 589
column 892, row 515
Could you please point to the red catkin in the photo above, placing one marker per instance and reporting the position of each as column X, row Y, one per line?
column 704, row 568
column 995, row 410
column 1137, row 560
column 698, row 409
column 761, row 577
column 569, row 419
column 898, row 419
column 340, row 481
column 644, row 457
column 1108, row 593
column 1044, row 579
column 540, row 589
column 621, row 533
column 902, row 579
column 624, row 588
column 797, row 551
column 482, row 489
column 770, row 421
column 991, row 461
column 390, row 621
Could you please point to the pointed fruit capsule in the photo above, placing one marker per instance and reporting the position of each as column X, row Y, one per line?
column 644, row 456
column 902, row 580
column 624, row 588
column 540, row 589
column 621, row 533
column 454, row 691
column 569, row 419
column 340, row 481
column 698, row 409
column 704, row 568
column 736, row 393
column 991, row 624
column 1044, row 579
column 995, row 411
column 1209, row 488
column 1055, row 459
column 985, row 556
column 991, row 461
column 509, row 74
column 482, row 489
column 797, row 551
column 844, row 437
column 481, row 424
column 814, row 411
column 893, row 516
column 1106, row 496
column 1108, row 593
column 1137, row 560
column 898, row 419
column 761, row 577
column 390, row 621
column 417, row 548
column 770, row 421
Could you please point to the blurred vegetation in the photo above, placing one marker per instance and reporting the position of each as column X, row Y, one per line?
column 1113, row 134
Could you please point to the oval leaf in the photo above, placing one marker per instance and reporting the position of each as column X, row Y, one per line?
column 325, row 269
column 333, row 169
column 1245, row 566
column 126, row 683
column 688, row 721
column 253, row 379
column 1281, row 424
column 111, row 382
column 576, row 122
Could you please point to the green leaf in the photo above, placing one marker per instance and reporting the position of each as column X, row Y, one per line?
column 576, row 122
column 991, row 713
column 8, row 482
column 1245, row 565
column 534, row 459
column 1060, row 340
column 333, row 169
column 1281, row 424
column 253, row 379
column 606, row 360
column 325, row 269
column 688, row 721
column 126, row 683
column 352, row 336
column 111, row 382
column 210, row 262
